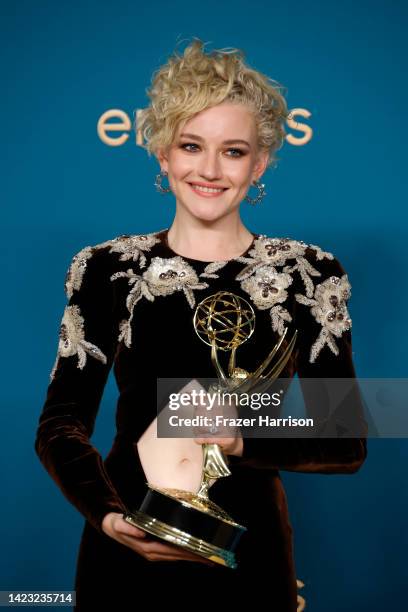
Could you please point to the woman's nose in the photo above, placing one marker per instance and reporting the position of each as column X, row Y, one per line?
column 210, row 167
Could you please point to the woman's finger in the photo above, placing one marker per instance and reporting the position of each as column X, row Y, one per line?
column 153, row 546
column 122, row 526
column 165, row 552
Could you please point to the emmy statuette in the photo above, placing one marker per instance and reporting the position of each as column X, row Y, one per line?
column 223, row 321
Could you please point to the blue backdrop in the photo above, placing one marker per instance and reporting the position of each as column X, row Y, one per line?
column 63, row 65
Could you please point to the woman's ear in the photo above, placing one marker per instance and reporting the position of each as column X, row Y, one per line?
column 162, row 158
column 261, row 164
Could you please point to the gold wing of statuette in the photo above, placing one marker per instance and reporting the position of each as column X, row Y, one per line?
column 263, row 377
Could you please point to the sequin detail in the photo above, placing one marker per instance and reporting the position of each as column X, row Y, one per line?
column 328, row 306
column 267, row 288
column 164, row 276
column 72, row 339
column 213, row 267
column 76, row 270
column 132, row 247
column 260, row 278
column 271, row 251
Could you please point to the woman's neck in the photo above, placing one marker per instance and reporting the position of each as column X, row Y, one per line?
column 209, row 241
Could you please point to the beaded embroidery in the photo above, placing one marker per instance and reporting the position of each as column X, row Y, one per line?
column 163, row 276
column 328, row 307
column 271, row 251
column 76, row 270
column 211, row 268
column 267, row 288
column 129, row 246
column 72, row 339
column 132, row 247
column 259, row 278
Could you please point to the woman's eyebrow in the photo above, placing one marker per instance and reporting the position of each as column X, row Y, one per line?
column 233, row 141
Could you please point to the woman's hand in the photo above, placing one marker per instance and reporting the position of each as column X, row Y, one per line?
column 221, row 419
column 117, row 528
column 229, row 446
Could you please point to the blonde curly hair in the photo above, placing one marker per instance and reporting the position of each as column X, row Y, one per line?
column 194, row 81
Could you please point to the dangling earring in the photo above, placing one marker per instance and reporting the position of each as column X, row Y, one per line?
column 261, row 194
column 158, row 182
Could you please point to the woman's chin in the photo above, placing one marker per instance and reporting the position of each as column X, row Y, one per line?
column 207, row 213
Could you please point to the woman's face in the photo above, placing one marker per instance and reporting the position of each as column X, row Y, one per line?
column 217, row 147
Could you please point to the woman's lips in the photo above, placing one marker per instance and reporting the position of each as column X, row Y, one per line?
column 206, row 194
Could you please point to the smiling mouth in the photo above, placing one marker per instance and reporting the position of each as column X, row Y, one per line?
column 209, row 191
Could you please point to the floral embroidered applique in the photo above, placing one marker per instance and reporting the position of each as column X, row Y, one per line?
column 162, row 277
column 276, row 251
column 267, row 289
column 165, row 276
column 266, row 286
column 328, row 306
column 76, row 270
column 209, row 271
column 132, row 247
column 320, row 254
column 129, row 246
column 271, row 251
column 72, row 339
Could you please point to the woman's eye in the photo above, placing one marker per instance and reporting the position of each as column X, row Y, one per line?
column 240, row 153
column 190, row 144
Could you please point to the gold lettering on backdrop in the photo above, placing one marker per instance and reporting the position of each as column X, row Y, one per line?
column 301, row 127
column 125, row 125
column 139, row 135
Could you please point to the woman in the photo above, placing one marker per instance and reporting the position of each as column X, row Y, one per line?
column 214, row 125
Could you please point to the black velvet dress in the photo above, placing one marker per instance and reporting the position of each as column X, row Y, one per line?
column 130, row 305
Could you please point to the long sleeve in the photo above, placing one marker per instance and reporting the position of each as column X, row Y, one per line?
column 86, row 347
column 324, row 351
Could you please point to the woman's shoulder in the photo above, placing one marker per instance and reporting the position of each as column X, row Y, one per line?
column 123, row 243
column 289, row 254
column 317, row 280
column 123, row 247
column 100, row 258
column 308, row 270
column 278, row 249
